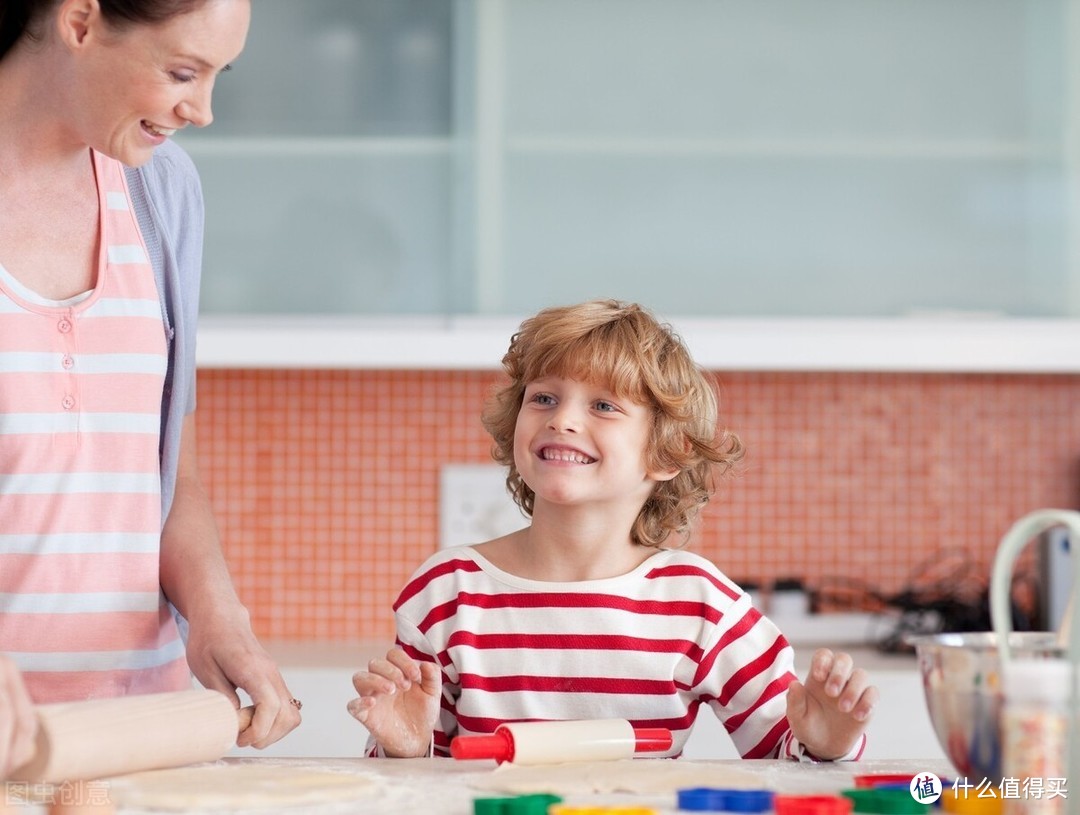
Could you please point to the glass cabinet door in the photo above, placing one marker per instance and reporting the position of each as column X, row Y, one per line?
column 707, row 157
column 328, row 170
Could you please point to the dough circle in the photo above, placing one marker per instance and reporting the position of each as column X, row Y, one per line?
column 638, row 776
column 236, row 787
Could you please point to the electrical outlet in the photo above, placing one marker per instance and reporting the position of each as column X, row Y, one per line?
column 474, row 505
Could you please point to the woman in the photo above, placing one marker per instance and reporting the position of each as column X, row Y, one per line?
column 105, row 528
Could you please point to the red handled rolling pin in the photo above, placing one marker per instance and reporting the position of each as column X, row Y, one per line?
column 102, row 737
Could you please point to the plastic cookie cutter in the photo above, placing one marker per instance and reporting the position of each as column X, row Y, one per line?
column 517, row 805
column 879, row 800
column 711, row 799
column 812, row 805
column 961, row 804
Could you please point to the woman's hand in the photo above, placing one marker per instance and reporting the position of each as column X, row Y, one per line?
column 225, row 655
column 829, row 712
column 18, row 724
column 399, row 703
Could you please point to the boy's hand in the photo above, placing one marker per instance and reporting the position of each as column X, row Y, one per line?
column 830, row 710
column 399, row 703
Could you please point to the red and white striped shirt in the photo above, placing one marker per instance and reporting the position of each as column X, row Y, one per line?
column 650, row 646
column 81, row 608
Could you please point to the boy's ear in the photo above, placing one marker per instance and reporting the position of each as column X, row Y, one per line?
column 75, row 19
column 663, row 475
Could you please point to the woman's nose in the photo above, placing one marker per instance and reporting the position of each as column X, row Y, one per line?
column 197, row 109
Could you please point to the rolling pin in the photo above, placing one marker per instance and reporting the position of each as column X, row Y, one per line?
column 562, row 741
column 102, row 737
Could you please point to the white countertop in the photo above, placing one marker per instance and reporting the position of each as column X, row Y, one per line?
column 937, row 344
column 448, row 787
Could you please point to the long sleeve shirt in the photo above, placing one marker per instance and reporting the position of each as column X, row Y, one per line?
column 650, row 646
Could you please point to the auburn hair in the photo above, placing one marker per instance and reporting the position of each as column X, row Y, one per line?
column 625, row 348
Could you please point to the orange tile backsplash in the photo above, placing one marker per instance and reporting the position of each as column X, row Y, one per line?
column 325, row 483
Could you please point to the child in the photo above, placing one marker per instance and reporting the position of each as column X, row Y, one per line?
column 609, row 431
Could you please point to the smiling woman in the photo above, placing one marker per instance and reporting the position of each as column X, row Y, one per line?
column 109, row 549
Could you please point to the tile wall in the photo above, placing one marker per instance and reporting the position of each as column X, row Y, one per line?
column 325, row 483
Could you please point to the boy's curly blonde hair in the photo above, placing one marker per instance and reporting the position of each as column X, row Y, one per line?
column 623, row 347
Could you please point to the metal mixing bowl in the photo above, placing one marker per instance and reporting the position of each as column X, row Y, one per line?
column 961, row 676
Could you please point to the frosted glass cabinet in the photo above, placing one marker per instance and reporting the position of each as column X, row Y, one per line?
column 727, row 158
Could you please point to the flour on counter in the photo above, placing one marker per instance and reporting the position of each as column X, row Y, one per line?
column 636, row 776
column 236, row 787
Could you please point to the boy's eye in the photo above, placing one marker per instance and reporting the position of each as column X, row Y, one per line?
column 605, row 407
column 543, row 398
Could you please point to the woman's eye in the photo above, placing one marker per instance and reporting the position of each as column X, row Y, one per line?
column 179, row 77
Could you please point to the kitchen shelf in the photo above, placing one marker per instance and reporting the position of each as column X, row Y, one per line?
column 326, row 146
column 912, row 344
column 974, row 150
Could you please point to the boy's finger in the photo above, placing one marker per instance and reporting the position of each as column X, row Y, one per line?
column 821, row 665
column 840, row 674
column 367, row 684
column 404, row 663
column 864, row 708
column 796, row 702
column 430, row 677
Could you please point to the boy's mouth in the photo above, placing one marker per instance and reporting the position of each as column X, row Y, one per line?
column 565, row 454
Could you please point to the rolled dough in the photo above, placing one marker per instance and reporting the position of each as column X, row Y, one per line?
column 236, row 787
column 638, row 776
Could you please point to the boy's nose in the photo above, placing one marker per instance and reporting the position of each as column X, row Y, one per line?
column 564, row 419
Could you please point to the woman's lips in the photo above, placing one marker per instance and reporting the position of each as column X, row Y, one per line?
column 157, row 131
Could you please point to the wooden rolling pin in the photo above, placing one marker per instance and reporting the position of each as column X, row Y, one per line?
column 103, row 737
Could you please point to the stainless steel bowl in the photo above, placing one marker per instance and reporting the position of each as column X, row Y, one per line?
column 961, row 676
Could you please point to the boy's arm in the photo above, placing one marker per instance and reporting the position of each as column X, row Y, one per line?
column 752, row 688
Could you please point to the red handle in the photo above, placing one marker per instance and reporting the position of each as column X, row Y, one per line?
column 499, row 746
column 652, row 739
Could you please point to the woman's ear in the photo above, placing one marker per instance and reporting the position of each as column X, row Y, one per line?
column 75, row 20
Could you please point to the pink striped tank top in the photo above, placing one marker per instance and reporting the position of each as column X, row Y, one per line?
column 81, row 608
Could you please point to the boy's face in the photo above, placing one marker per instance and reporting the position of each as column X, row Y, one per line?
column 577, row 442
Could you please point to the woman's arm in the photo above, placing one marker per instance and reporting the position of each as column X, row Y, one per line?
column 18, row 725
column 222, row 650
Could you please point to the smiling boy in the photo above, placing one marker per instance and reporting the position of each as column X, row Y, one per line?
column 610, row 435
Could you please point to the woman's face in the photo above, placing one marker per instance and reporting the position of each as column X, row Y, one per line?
column 135, row 86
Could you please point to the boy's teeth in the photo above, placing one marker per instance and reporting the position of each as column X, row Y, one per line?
column 566, row 455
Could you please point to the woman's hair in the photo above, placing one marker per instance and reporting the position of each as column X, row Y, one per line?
column 19, row 18
column 624, row 348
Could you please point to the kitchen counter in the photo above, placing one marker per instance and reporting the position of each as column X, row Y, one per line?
column 447, row 787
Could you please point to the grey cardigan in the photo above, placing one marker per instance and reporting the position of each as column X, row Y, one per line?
column 168, row 203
